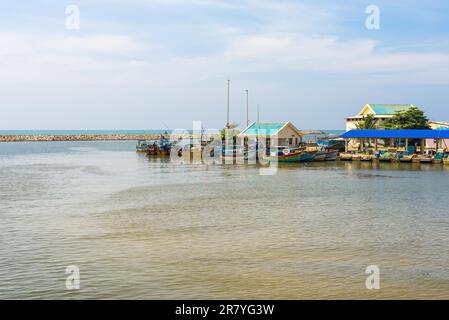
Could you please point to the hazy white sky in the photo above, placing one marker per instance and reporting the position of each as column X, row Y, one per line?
column 140, row 64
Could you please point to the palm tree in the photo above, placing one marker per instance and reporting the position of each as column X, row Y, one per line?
column 229, row 132
column 368, row 123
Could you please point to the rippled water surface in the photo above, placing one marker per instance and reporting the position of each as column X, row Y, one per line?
column 146, row 228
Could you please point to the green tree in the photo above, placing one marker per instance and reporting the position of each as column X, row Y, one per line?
column 368, row 123
column 412, row 118
column 232, row 131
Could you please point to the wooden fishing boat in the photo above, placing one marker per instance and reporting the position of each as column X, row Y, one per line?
column 142, row 146
column 425, row 158
column 291, row 155
column 356, row 157
column 326, row 155
column 346, row 156
column 366, row 157
column 438, row 158
column 386, row 157
column 320, row 155
column 332, row 155
column 308, row 156
column 154, row 147
column 332, row 143
column 405, row 156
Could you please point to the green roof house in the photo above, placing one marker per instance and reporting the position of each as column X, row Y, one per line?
column 381, row 112
column 278, row 133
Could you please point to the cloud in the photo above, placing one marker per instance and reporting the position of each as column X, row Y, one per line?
column 299, row 53
column 118, row 60
column 160, row 54
column 96, row 44
column 54, row 59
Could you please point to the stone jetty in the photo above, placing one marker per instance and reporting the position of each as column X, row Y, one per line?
column 86, row 137
column 77, row 137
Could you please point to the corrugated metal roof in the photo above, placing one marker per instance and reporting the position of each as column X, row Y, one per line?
column 263, row 128
column 385, row 134
column 389, row 109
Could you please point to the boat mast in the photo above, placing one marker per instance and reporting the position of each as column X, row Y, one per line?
column 227, row 117
column 258, row 115
column 247, row 108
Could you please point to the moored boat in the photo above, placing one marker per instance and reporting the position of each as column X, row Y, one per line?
column 332, row 143
column 426, row 158
column 154, row 147
column 346, row 156
column 290, row 155
column 142, row 146
column 438, row 158
column 416, row 159
column 332, row 155
column 366, row 157
column 405, row 156
column 320, row 155
column 307, row 156
column 326, row 155
column 386, row 157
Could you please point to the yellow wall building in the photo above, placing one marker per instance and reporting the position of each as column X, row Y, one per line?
column 381, row 112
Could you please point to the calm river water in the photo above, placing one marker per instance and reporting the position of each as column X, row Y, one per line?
column 148, row 229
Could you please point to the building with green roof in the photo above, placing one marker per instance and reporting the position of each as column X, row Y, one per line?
column 277, row 133
column 381, row 111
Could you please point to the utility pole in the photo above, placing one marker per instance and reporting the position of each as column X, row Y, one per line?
column 247, row 107
column 227, row 117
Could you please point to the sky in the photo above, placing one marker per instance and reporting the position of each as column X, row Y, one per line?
column 156, row 64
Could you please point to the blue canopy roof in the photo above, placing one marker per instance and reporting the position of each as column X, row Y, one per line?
column 396, row 134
